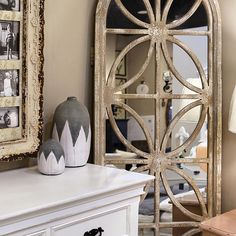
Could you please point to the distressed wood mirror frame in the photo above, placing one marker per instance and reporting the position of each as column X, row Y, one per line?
column 21, row 77
column 157, row 161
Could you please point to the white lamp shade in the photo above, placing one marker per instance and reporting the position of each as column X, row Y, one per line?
column 232, row 113
column 193, row 114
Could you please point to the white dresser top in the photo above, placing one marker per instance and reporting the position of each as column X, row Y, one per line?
column 25, row 191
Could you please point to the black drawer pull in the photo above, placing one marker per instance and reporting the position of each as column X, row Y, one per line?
column 94, row 232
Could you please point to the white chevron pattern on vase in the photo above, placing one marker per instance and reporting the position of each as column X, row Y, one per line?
column 50, row 166
column 74, row 155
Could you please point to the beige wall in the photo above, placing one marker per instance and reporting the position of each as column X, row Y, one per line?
column 68, row 37
column 229, row 80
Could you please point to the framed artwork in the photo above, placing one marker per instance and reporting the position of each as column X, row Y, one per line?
column 118, row 112
column 21, row 77
column 121, row 69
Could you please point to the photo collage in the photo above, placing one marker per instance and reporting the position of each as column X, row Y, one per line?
column 9, row 53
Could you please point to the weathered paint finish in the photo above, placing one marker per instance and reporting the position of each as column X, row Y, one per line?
column 156, row 161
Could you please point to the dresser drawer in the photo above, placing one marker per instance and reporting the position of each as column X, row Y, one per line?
column 31, row 232
column 40, row 233
column 113, row 223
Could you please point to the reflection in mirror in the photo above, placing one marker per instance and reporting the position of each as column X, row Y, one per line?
column 169, row 108
column 145, row 109
column 137, row 8
column 179, row 8
column 177, row 180
column 145, row 83
column 197, row 45
column 187, row 231
column 160, row 104
column 130, row 129
column 187, row 124
column 136, row 64
column 135, row 61
column 183, row 193
column 116, row 19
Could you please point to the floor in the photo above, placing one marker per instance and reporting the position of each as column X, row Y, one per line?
column 150, row 233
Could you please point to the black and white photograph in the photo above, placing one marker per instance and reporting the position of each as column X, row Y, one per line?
column 9, row 117
column 9, row 83
column 9, row 40
column 10, row 5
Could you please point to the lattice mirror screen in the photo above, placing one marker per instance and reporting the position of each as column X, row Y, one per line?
column 158, row 106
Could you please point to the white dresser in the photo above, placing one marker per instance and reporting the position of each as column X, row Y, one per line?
column 90, row 200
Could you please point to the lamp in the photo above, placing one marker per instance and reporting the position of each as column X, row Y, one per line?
column 193, row 114
column 232, row 113
column 142, row 88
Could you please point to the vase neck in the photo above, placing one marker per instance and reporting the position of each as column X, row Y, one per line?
column 71, row 98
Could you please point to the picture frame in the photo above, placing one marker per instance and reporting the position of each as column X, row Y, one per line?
column 122, row 68
column 118, row 112
column 21, row 78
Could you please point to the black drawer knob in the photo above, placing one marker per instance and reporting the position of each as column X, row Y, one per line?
column 94, row 232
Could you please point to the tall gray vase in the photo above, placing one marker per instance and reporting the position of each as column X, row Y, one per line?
column 71, row 127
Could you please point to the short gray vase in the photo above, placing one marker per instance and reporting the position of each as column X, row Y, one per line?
column 71, row 127
column 51, row 160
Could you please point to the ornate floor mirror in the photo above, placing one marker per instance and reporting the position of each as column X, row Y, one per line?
column 158, row 106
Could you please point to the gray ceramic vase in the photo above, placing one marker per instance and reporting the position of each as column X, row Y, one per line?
column 51, row 160
column 71, row 127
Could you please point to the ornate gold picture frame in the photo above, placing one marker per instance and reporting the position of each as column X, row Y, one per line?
column 21, row 77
